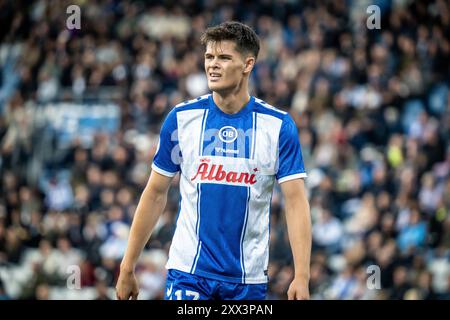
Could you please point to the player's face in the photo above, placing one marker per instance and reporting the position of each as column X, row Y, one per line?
column 224, row 66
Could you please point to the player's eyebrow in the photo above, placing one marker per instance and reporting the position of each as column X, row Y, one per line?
column 219, row 55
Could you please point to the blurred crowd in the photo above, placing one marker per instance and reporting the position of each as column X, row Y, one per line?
column 372, row 108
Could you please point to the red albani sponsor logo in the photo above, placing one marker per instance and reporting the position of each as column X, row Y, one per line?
column 214, row 172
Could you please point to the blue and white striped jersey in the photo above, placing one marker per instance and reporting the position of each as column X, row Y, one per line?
column 228, row 164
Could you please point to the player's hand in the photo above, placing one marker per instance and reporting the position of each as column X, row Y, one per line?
column 298, row 290
column 127, row 286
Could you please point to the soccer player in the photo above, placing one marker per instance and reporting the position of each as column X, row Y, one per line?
column 229, row 148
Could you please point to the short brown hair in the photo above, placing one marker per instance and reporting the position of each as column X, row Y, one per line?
column 246, row 39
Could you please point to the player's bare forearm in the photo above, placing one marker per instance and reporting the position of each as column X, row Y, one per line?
column 299, row 229
column 298, row 221
column 151, row 205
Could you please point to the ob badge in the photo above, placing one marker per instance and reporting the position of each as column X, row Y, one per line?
column 228, row 134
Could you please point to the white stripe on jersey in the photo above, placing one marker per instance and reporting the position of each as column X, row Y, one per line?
column 192, row 101
column 268, row 106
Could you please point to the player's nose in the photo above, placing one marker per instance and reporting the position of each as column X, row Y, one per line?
column 214, row 63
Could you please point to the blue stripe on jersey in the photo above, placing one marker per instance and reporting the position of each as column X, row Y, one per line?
column 221, row 225
column 240, row 148
column 242, row 235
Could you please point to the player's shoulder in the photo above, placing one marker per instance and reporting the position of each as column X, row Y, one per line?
column 196, row 103
column 266, row 108
column 190, row 108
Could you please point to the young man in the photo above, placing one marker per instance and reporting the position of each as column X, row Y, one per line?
column 229, row 148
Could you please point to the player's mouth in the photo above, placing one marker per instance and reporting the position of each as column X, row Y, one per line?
column 213, row 76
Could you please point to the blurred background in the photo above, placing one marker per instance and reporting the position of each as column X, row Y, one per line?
column 80, row 112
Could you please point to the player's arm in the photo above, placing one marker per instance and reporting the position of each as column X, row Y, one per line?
column 151, row 205
column 298, row 221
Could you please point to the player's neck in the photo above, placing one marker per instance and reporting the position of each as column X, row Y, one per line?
column 231, row 103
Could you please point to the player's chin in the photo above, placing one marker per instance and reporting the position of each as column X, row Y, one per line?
column 217, row 87
column 214, row 86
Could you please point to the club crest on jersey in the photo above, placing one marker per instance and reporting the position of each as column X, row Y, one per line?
column 207, row 172
column 228, row 134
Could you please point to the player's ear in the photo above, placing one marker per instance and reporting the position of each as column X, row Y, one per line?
column 249, row 63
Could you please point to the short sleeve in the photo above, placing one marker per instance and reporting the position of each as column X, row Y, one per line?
column 290, row 160
column 167, row 157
